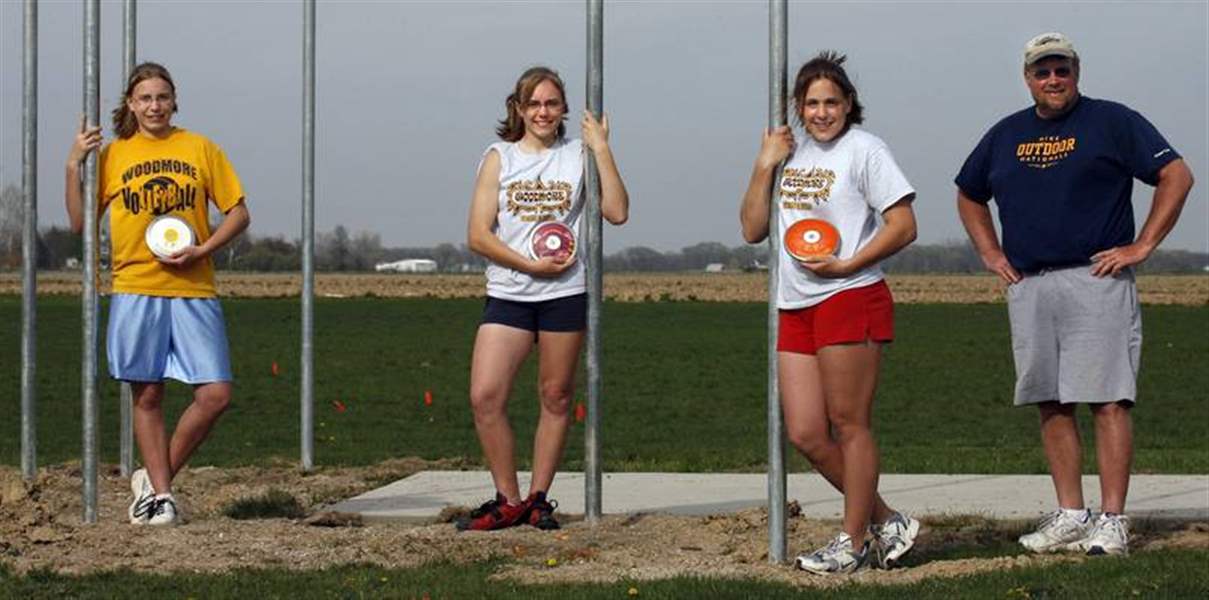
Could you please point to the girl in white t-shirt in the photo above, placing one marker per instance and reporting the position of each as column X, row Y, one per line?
column 533, row 177
column 835, row 311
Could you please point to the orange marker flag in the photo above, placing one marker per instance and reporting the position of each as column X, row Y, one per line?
column 339, row 406
column 427, row 397
column 274, row 369
column 581, row 412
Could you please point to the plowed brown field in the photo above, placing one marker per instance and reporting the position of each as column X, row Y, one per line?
column 1188, row 290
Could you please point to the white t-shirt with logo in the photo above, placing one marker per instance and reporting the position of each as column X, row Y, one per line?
column 536, row 188
column 847, row 182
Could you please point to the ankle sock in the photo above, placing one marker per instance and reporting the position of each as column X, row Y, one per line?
column 1082, row 514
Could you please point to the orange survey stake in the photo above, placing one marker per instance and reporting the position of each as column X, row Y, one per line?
column 811, row 239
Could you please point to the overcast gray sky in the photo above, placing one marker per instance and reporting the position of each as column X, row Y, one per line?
column 408, row 95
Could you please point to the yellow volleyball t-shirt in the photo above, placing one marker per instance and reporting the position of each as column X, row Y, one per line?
column 142, row 178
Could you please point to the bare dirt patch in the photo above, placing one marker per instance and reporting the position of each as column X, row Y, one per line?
column 41, row 528
column 1189, row 290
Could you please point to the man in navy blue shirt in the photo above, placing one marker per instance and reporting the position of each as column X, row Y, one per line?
column 1061, row 173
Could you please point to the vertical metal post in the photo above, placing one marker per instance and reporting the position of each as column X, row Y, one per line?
column 29, row 242
column 777, row 76
column 88, row 370
column 308, row 234
column 595, row 85
column 129, row 19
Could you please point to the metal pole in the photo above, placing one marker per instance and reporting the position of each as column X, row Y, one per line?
column 88, row 371
column 129, row 19
column 29, row 243
column 777, row 76
column 308, row 234
column 592, row 466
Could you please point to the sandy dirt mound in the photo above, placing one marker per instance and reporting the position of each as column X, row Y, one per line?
column 40, row 527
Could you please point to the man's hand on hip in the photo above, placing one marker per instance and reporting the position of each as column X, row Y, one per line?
column 1114, row 260
column 997, row 263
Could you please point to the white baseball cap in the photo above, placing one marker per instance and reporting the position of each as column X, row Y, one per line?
column 1048, row 44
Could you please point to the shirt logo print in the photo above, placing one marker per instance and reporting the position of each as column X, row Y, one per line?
column 1046, row 152
column 804, row 189
column 537, row 201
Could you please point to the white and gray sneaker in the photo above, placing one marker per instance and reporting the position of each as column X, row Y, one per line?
column 144, row 495
column 1060, row 530
column 1109, row 535
column 837, row 557
column 163, row 511
column 893, row 539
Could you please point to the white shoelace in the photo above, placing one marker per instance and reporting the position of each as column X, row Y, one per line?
column 1112, row 525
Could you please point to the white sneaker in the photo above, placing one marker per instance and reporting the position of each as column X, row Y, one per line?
column 894, row 538
column 163, row 511
column 1109, row 535
column 144, row 494
column 835, row 558
column 1058, row 531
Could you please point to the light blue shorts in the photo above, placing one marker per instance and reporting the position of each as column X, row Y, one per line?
column 151, row 338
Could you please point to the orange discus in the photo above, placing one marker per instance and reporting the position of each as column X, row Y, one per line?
column 811, row 239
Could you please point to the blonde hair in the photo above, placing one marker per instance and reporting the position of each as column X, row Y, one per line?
column 124, row 122
column 512, row 126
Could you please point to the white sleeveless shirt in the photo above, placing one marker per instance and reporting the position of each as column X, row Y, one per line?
column 847, row 182
column 536, row 188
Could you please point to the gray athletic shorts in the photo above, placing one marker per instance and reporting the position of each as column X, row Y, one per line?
column 1076, row 338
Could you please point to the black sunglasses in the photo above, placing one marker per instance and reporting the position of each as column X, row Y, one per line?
column 1059, row 72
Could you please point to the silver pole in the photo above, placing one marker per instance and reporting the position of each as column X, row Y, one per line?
column 29, row 243
column 592, row 467
column 88, row 371
column 308, row 234
column 777, row 76
column 129, row 19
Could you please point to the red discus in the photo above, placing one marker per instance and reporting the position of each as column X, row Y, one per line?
column 811, row 239
column 552, row 239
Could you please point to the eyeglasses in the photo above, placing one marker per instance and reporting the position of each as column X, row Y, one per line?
column 146, row 99
column 550, row 105
column 1059, row 72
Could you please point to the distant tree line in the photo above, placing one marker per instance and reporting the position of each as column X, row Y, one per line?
column 338, row 250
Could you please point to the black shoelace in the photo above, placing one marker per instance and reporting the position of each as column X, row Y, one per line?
column 147, row 506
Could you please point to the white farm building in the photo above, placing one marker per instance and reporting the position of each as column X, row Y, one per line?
column 410, row 265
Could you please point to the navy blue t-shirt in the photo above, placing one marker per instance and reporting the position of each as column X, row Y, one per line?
column 1064, row 185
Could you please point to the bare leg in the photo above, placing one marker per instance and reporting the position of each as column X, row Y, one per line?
column 558, row 355
column 806, row 422
column 1114, row 453
column 849, row 377
column 499, row 351
column 210, row 400
column 150, row 435
column 1064, row 451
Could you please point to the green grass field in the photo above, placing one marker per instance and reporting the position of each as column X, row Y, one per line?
column 678, row 377
column 1160, row 574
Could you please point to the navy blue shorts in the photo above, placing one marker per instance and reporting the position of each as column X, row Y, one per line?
column 569, row 313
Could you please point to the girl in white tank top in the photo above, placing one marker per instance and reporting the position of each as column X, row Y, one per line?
column 534, row 188
column 532, row 178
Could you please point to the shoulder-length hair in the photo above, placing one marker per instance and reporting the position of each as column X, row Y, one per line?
column 512, row 127
column 124, row 122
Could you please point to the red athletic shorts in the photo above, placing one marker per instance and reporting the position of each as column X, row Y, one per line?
column 855, row 315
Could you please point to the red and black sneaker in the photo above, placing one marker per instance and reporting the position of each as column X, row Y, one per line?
column 493, row 514
column 541, row 511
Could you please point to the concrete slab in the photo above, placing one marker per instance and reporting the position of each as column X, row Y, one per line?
column 421, row 497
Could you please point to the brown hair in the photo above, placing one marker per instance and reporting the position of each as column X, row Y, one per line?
column 512, row 126
column 827, row 65
column 124, row 122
